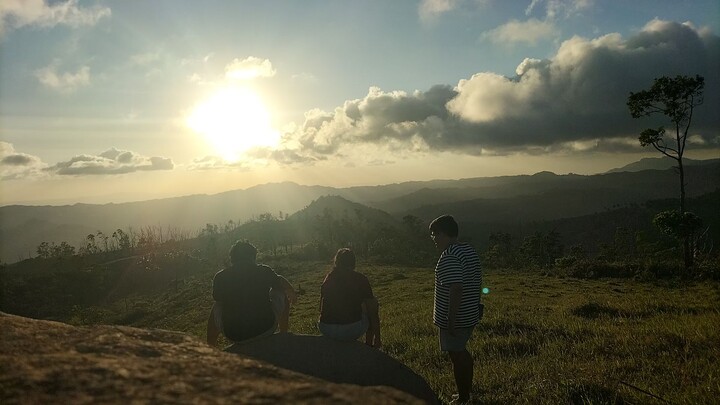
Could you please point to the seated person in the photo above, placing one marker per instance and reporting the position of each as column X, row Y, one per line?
column 348, row 308
column 251, row 300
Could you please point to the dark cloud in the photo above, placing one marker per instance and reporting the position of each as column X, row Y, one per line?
column 16, row 165
column 112, row 161
column 574, row 101
column 18, row 160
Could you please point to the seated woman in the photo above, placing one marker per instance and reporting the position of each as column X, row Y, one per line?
column 348, row 308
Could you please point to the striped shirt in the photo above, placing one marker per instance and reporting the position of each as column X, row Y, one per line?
column 459, row 263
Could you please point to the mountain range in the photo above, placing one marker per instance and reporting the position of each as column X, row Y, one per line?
column 510, row 200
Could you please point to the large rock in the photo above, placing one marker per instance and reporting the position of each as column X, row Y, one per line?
column 340, row 362
column 51, row 362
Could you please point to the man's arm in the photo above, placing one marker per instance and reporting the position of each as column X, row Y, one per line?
column 287, row 288
column 212, row 330
column 372, row 336
column 456, row 290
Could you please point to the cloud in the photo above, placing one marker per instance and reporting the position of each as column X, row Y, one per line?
column 560, row 8
column 534, row 30
column 529, row 32
column 249, row 68
column 16, row 165
column 211, row 162
column 304, row 76
column 20, row 13
column 112, row 161
column 65, row 82
column 431, row 9
column 574, row 101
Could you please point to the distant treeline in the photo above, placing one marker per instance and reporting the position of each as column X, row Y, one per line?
column 624, row 236
column 110, row 267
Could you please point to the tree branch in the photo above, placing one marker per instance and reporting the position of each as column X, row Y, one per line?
column 664, row 149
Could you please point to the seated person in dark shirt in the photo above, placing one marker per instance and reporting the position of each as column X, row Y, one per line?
column 348, row 308
column 251, row 300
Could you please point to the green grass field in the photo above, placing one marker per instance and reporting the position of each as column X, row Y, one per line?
column 543, row 339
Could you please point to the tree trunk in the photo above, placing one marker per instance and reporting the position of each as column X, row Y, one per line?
column 687, row 251
column 681, row 169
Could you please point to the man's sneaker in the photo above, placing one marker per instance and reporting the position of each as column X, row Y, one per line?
column 455, row 400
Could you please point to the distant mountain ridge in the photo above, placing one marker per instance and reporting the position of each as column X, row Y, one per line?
column 660, row 163
column 543, row 196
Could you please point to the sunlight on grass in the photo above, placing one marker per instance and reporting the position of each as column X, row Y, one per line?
column 543, row 339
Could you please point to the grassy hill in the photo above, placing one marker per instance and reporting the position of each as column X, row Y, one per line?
column 543, row 339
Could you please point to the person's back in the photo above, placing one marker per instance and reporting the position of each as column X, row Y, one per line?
column 465, row 257
column 457, row 307
column 244, row 293
column 251, row 300
column 342, row 295
column 348, row 308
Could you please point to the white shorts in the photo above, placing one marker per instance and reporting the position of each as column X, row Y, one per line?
column 346, row 331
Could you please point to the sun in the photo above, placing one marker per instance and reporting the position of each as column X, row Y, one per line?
column 233, row 120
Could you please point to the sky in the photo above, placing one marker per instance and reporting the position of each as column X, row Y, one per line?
column 112, row 101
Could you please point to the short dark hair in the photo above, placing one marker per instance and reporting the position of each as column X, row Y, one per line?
column 445, row 224
column 344, row 260
column 243, row 252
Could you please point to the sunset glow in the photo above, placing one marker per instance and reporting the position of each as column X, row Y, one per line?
column 249, row 93
column 233, row 120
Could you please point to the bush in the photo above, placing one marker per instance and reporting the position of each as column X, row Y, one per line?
column 662, row 270
column 709, row 269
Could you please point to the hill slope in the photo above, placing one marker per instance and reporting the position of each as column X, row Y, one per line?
column 660, row 163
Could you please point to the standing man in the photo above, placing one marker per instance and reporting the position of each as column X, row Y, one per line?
column 458, row 280
column 251, row 300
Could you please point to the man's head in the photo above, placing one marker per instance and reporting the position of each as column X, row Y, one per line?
column 344, row 260
column 443, row 231
column 243, row 253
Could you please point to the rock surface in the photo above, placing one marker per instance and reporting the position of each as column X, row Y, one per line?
column 43, row 361
column 340, row 362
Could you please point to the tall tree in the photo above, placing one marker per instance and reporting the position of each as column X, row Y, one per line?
column 675, row 98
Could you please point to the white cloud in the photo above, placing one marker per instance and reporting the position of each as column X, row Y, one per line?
column 19, row 13
column 431, row 9
column 568, row 8
column 16, row 165
column 308, row 77
column 67, row 81
column 574, row 101
column 215, row 162
column 249, row 68
column 560, row 8
column 529, row 32
column 581, row 92
column 111, row 161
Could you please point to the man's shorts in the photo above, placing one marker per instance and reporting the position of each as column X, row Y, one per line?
column 455, row 343
column 345, row 332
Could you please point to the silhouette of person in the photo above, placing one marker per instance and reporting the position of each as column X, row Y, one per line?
column 348, row 308
column 251, row 300
column 457, row 307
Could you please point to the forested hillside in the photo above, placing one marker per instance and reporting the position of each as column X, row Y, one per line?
column 512, row 202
